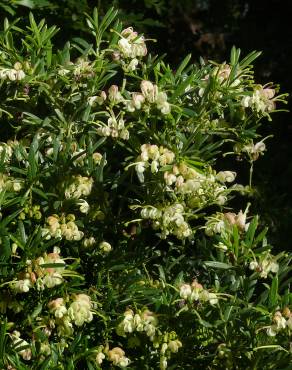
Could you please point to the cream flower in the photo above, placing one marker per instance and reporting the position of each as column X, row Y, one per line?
column 185, row 291
column 174, row 345
column 226, row 176
column 117, row 357
column 99, row 358
column 57, row 307
column 80, row 310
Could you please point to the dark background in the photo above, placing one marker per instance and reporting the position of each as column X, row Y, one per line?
column 209, row 28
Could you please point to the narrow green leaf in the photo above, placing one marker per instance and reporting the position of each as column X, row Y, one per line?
column 46, row 364
column 183, row 65
column 182, row 87
column 10, row 218
column 249, row 59
column 2, row 339
column 218, row 265
column 249, row 238
column 273, row 295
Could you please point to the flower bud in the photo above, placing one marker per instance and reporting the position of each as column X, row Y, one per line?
column 17, row 66
column 286, row 312
column 105, row 247
column 114, row 95
column 174, row 345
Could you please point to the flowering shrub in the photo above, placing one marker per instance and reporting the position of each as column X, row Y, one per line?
column 119, row 244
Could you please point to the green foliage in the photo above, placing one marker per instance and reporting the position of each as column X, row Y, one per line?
column 118, row 243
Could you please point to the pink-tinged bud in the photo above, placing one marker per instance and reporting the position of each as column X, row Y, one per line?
column 127, row 32
column 138, row 100
column 112, row 92
column 33, row 277
column 103, row 95
column 240, row 220
column 230, row 217
column 114, row 95
column 56, row 303
column 196, row 285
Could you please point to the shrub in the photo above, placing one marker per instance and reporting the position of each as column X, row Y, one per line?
column 119, row 245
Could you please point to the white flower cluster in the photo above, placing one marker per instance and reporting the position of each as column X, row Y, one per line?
column 113, row 97
column 265, row 265
column 78, row 312
column 114, row 128
column 222, row 223
column 13, row 74
column 49, row 276
column 79, row 186
column 261, row 100
column 153, row 96
column 37, row 274
column 82, row 67
column 196, row 292
column 117, row 357
column 184, row 178
column 20, row 345
column 152, row 156
column 62, row 227
column 149, row 95
column 198, row 187
column 80, row 309
column 170, row 220
column 136, row 102
column 130, row 46
column 10, row 183
column 23, row 284
column 281, row 321
column 141, row 321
